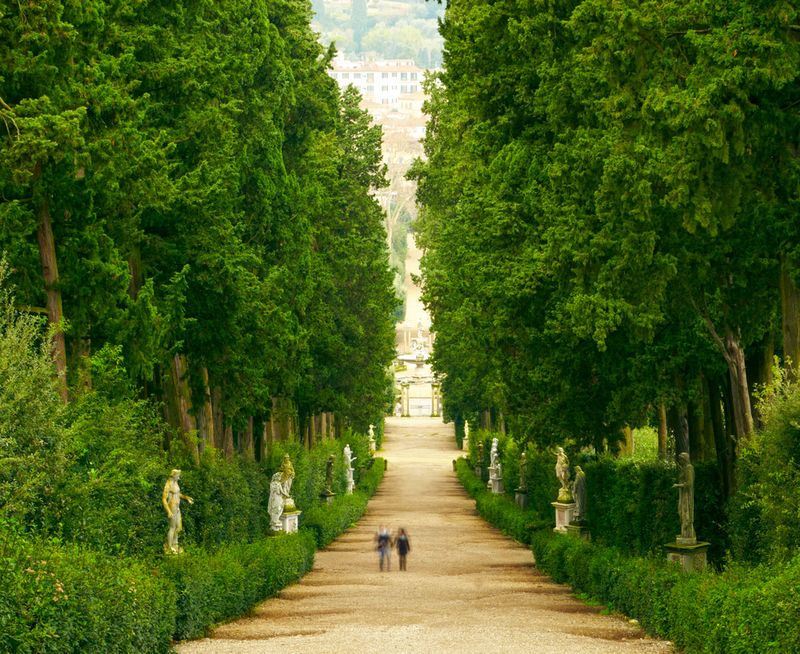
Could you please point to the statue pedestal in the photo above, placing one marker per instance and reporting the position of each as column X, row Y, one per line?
column 327, row 496
column 564, row 514
column 465, row 444
column 478, row 472
column 579, row 531
column 691, row 556
column 521, row 499
column 496, row 486
column 350, row 486
column 289, row 522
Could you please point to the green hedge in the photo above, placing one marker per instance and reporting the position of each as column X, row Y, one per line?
column 58, row 599
column 499, row 510
column 212, row 587
column 739, row 611
column 631, row 505
column 327, row 521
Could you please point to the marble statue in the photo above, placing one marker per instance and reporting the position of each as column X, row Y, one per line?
column 275, row 506
column 495, row 467
column 348, row 462
column 372, row 446
column 465, row 441
column 287, row 477
column 171, row 499
column 579, row 495
column 523, row 473
column 329, row 475
column 562, row 473
column 685, row 488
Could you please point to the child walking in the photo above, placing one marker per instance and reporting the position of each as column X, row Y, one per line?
column 403, row 547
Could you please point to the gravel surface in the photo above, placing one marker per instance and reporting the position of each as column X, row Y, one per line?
column 468, row 588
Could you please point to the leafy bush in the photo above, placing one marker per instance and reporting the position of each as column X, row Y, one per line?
column 68, row 599
column 763, row 517
column 31, row 414
column 499, row 510
column 738, row 611
column 327, row 521
column 212, row 587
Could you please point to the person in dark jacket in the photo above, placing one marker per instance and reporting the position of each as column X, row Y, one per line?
column 403, row 546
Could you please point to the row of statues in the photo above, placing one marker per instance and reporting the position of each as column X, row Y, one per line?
column 572, row 489
column 280, row 502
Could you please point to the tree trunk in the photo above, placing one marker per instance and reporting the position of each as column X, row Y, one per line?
column 218, row 418
column 227, row 443
column 662, row 432
column 723, row 444
column 790, row 317
column 55, row 312
column 740, row 393
column 246, row 443
column 183, row 402
column 205, row 417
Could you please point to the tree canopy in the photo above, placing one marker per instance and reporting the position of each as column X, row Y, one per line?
column 185, row 183
column 608, row 208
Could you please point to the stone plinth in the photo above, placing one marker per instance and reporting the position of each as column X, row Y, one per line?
column 351, row 485
column 564, row 514
column 327, row 496
column 692, row 557
column 579, row 531
column 496, row 486
column 521, row 499
column 479, row 472
column 289, row 522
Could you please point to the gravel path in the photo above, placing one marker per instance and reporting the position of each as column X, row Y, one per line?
column 468, row 588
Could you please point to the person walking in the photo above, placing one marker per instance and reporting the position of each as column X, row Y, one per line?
column 403, row 547
column 384, row 539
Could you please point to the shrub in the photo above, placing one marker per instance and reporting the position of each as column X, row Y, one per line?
column 211, row 587
column 738, row 611
column 499, row 510
column 68, row 599
column 327, row 521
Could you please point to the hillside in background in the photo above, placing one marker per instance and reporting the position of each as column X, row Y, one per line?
column 381, row 29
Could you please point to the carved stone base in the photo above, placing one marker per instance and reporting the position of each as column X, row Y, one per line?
column 350, row 487
column 465, row 444
column 289, row 522
column 564, row 514
column 579, row 531
column 496, row 486
column 691, row 557
column 327, row 496
column 521, row 499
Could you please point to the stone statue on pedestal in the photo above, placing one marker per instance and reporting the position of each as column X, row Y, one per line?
column 275, row 506
column 287, row 477
column 329, row 475
column 523, row 473
column 685, row 488
column 348, row 462
column 562, row 473
column 372, row 446
column 171, row 500
column 579, row 496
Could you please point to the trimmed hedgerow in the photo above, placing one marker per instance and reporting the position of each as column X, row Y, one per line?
column 212, row 587
column 738, row 611
column 327, row 521
column 66, row 599
column 499, row 510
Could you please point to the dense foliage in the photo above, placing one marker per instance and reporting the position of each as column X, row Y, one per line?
column 739, row 611
column 609, row 216
column 186, row 186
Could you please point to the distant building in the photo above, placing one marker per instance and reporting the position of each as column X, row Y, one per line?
column 395, row 83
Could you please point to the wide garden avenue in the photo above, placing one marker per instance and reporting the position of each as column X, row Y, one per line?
column 467, row 589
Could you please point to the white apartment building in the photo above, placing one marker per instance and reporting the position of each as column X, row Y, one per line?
column 396, row 83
